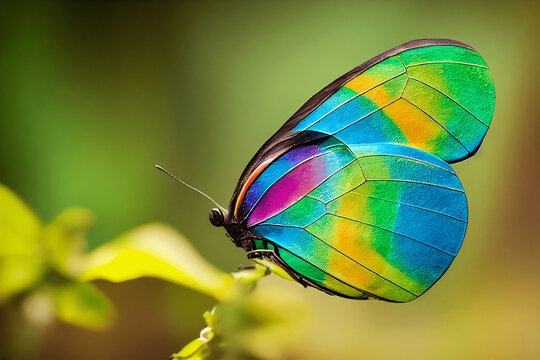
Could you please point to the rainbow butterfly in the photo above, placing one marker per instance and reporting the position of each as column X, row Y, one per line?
column 354, row 195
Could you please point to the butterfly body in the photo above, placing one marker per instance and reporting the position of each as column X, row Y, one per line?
column 354, row 195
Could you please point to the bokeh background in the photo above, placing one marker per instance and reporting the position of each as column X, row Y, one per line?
column 94, row 93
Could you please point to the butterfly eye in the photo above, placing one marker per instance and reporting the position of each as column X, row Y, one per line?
column 216, row 217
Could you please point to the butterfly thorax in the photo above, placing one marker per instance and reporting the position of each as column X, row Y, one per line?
column 240, row 236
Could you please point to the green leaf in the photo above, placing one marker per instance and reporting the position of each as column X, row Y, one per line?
column 156, row 250
column 19, row 226
column 198, row 349
column 195, row 350
column 82, row 304
column 20, row 250
column 65, row 242
column 18, row 273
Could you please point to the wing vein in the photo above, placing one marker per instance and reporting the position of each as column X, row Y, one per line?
column 406, row 73
column 328, row 177
column 411, row 205
column 314, row 198
column 418, row 182
column 408, row 158
column 451, row 98
column 359, row 263
column 348, row 257
column 435, row 120
column 391, row 231
column 365, row 116
column 345, row 193
column 354, row 97
column 291, row 169
column 332, row 276
column 447, row 62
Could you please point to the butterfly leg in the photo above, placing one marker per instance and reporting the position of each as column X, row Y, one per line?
column 246, row 267
column 275, row 258
column 270, row 255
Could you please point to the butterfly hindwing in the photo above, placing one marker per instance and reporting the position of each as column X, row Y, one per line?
column 379, row 219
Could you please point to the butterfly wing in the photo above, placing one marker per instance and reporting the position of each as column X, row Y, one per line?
column 379, row 220
column 437, row 98
column 354, row 192
column 436, row 95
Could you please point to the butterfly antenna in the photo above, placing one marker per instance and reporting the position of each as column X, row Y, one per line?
column 191, row 187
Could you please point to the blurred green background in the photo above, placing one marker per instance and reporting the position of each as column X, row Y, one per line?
column 93, row 94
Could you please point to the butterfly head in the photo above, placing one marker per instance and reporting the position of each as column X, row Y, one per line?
column 216, row 217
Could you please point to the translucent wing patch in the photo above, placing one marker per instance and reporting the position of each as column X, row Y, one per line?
column 437, row 98
column 380, row 219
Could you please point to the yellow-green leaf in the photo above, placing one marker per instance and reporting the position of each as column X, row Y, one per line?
column 156, row 250
column 82, row 304
column 18, row 273
column 19, row 226
column 195, row 350
column 20, row 249
column 65, row 242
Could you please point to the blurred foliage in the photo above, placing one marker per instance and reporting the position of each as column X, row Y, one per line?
column 247, row 324
column 156, row 251
column 40, row 265
column 21, row 262
column 52, row 280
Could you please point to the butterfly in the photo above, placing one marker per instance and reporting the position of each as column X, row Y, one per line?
column 354, row 194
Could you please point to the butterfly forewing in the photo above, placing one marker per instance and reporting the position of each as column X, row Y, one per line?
column 436, row 95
